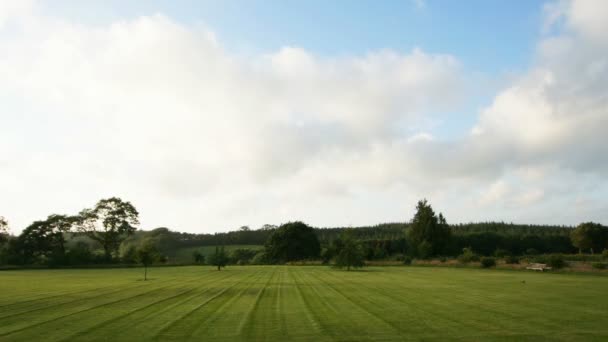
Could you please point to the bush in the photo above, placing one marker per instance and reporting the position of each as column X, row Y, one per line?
column 511, row 259
column 487, row 262
column 605, row 254
column 500, row 253
column 443, row 259
column 260, row 258
column 556, row 261
column 531, row 251
column 407, row 260
column 467, row 256
column 599, row 265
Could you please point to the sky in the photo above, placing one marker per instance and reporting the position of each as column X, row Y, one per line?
column 211, row 115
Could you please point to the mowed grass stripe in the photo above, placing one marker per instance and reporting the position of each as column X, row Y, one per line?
column 224, row 321
column 246, row 326
column 62, row 300
column 493, row 313
column 183, row 324
column 290, row 303
column 16, row 324
column 313, row 325
column 127, row 314
column 422, row 313
column 340, row 320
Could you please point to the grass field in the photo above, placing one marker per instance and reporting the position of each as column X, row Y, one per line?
column 184, row 255
column 279, row 303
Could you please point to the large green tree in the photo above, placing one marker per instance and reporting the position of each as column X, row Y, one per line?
column 44, row 241
column 429, row 234
column 293, row 241
column 109, row 223
column 590, row 236
column 349, row 252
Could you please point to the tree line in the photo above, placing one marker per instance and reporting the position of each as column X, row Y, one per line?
column 108, row 233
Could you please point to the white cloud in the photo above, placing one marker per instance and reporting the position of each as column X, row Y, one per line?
column 201, row 139
column 160, row 113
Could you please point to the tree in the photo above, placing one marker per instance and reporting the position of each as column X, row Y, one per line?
column 109, row 222
column 147, row 254
column 590, row 236
column 429, row 232
column 198, row 257
column 350, row 252
column 44, row 240
column 219, row 258
column 4, row 232
column 293, row 241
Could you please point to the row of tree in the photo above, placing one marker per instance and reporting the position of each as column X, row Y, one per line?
column 108, row 233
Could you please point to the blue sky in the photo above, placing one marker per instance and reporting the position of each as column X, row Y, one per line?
column 209, row 115
column 488, row 36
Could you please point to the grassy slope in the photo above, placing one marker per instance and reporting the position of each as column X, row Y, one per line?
column 301, row 303
column 184, row 255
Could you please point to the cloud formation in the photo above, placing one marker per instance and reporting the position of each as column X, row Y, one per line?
column 202, row 139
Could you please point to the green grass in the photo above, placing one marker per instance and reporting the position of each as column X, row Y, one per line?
column 184, row 255
column 279, row 303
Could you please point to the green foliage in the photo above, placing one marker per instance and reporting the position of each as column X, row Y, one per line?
column 500, row 253
column 429, row 234
column 590, row 236
column 291, row 242
column 218, row 259
column 531, row 251
column 241, row 256
column 128, row 253
column 511, row 259
column 467, row 256
column 260, row 258
column 198, row 257
column 605, row 254
column 599, row 265
column 407, row 260
column 556, row 261
column 147, row 254
column 4, row 232
column 487, row 262
column 109, row 222
column 350, row 253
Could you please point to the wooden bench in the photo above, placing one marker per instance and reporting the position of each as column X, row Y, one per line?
column 538, row 267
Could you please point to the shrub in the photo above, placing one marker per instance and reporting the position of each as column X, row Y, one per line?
column 487, row 262
column 500, row 253
column 511, row 259
column 443, row 259
column 407, row 260
column 605, row 254
column 556, row 261
column 467, row 256
column 260, row 258
column 531, row 251
column 599, row 265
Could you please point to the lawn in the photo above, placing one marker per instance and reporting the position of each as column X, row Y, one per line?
column 306, row 303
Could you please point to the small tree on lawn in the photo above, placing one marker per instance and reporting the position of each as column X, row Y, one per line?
column 350, row 254
column 147, row 254
column 219, row 258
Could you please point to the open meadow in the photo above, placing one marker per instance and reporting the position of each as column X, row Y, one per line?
column 306, row 303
